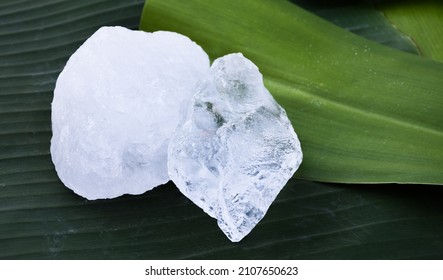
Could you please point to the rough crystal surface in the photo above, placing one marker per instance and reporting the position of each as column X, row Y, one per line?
column 116, row 104
column 236, row 149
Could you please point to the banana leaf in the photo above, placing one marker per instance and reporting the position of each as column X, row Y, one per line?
column 41, row 219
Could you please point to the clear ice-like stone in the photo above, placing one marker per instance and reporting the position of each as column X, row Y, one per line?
column 116, row 104
column 236, row 149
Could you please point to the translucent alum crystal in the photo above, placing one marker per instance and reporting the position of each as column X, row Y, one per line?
column 236, row 149
column 116, row 104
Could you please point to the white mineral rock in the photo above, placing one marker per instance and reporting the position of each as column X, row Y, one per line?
column 236, row 149
column 116, row 104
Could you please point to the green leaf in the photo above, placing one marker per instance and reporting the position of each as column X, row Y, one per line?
column 422, row 21
column 41, row 219
column 362, row 19
column 364, row 112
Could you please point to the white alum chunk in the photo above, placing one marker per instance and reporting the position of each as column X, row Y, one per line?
column 116, row 104
column 236, row 149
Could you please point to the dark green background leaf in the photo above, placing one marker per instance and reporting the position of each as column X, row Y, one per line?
column 421, row 21
column 361, row 18
column 41, row 219
column 307, row 221
column 408, row 25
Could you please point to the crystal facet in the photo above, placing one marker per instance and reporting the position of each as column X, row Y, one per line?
column 236, row 148
column 116, row 104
